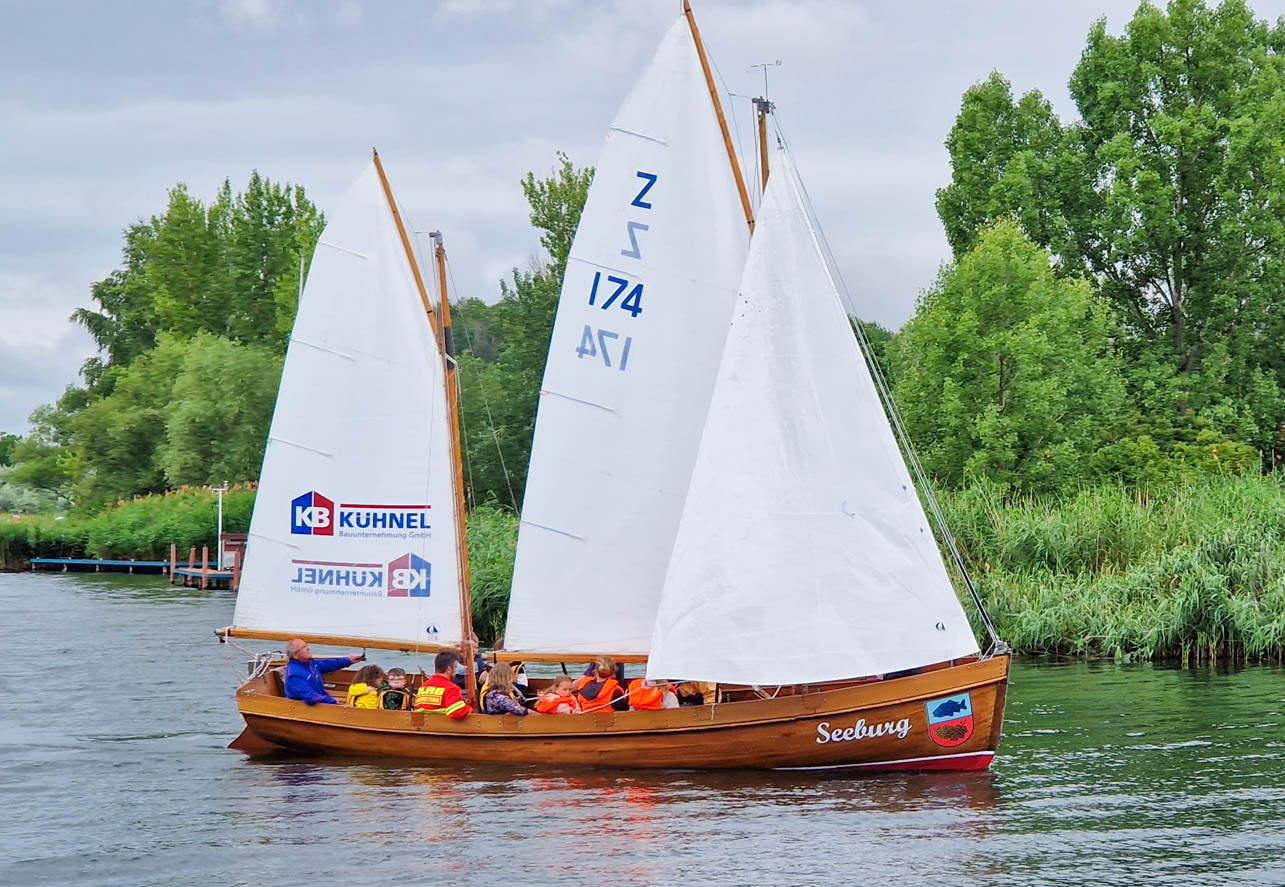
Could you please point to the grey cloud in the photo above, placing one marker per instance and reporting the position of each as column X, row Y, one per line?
column 107, row 105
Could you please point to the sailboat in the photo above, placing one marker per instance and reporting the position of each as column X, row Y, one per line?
column 714, row 490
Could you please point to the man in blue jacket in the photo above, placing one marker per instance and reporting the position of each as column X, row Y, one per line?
column 303, row 673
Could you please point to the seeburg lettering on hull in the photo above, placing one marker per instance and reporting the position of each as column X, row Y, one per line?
column 862, row 730
column 313, row 514
column 406, row 576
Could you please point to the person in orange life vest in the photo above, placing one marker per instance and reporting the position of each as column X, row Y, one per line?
column 600, row 690
column 645, row 695
column 558, row 698
column 303, row 673
column 439, row 694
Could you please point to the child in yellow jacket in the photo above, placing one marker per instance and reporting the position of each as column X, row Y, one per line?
column 364, row 692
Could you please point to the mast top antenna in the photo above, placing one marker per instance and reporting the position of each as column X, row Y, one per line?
column 765, row 66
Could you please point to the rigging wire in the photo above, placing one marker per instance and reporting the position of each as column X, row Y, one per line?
column 890, row 407
column 486, row 403
column 736, row 125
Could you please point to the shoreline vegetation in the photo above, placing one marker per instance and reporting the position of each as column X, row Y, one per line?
column 1095, row 381
column 1193, row 572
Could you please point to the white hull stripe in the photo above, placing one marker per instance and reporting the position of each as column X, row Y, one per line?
column 971, row 754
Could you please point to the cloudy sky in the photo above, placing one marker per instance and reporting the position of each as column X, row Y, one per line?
column 104, row 106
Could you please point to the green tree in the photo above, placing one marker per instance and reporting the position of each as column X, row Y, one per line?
column 42, row 460
column 878, row 337
column 7, row 443
column 113, row 439
column 499, row 398
column 1007, row 371
column 231, row 268
column 1167, row 190
column 220, row 409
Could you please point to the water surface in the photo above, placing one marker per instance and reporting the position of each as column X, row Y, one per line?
column 114, row 771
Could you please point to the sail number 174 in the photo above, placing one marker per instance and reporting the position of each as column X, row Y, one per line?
column 594, row 343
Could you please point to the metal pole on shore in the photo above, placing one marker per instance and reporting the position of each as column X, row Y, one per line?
column 218, row 552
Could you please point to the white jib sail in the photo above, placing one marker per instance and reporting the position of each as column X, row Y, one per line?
column 641, row 323
column 803, row 554
column 353, row 530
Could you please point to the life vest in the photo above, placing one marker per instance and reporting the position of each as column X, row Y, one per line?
column 609, row 690
column 647, row 698
column 395, row 700
column 549, row 703
column 363, row 696
column 439, row 695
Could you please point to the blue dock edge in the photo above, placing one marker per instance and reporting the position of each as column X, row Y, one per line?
column 99, row 565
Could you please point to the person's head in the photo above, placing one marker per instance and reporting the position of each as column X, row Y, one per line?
column 370, row 675
column 446, row 662
column 298, row 649
column 604, row 667
column 396, row 678
column 501, row 678
column 561, row 685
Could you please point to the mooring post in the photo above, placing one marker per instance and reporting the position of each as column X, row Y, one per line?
column 205, row 566
column 173, row 560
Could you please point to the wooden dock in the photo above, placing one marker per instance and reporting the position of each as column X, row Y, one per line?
column 85, row 564
column 202, row 575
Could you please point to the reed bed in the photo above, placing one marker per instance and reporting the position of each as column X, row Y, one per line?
column 141, row 528
column 492, row 540
column 1193, row 572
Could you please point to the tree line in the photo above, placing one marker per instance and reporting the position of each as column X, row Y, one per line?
column 1113, row 309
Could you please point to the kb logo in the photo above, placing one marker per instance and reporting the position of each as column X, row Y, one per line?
column 408, row 576
column 312, row 514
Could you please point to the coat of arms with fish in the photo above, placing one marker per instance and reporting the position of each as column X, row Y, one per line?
column 950, row 720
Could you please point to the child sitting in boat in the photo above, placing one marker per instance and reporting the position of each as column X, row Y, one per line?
column 558, row 699
column 499, row 696
column 393, row 692
column 364, row 692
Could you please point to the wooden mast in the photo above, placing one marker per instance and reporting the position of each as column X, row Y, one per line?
column 718, row 110
column 441, row 334
column 764, row 107
column 457, row 479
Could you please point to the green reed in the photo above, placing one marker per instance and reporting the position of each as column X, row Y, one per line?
column 1194, row 572
column 492, row 540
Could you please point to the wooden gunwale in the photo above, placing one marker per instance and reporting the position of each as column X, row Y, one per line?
column 822, row 703
column 825, row 730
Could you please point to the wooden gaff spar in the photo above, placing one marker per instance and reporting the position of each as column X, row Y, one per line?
column 714, row 490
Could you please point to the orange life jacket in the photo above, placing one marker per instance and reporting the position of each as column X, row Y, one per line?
column 548, row 703
column 609, row 690
column 647, row 698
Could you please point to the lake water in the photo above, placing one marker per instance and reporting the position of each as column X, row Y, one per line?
column 114, row 771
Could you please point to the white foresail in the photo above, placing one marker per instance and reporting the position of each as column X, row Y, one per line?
column 353, row 530
column 640, row 326
column 803, row 554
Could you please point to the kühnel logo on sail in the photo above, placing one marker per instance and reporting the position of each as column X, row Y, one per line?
column 406, row 576
column 312, row 514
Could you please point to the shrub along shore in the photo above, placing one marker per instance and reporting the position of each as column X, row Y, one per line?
column 1192, row 572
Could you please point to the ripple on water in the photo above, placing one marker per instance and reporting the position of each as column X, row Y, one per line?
column 136, row 785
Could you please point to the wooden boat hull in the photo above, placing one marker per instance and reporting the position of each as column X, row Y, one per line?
column 916, row 722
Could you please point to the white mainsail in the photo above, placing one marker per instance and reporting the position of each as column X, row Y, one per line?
column 640, row 326
column 353, row 532
column 803, row 554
